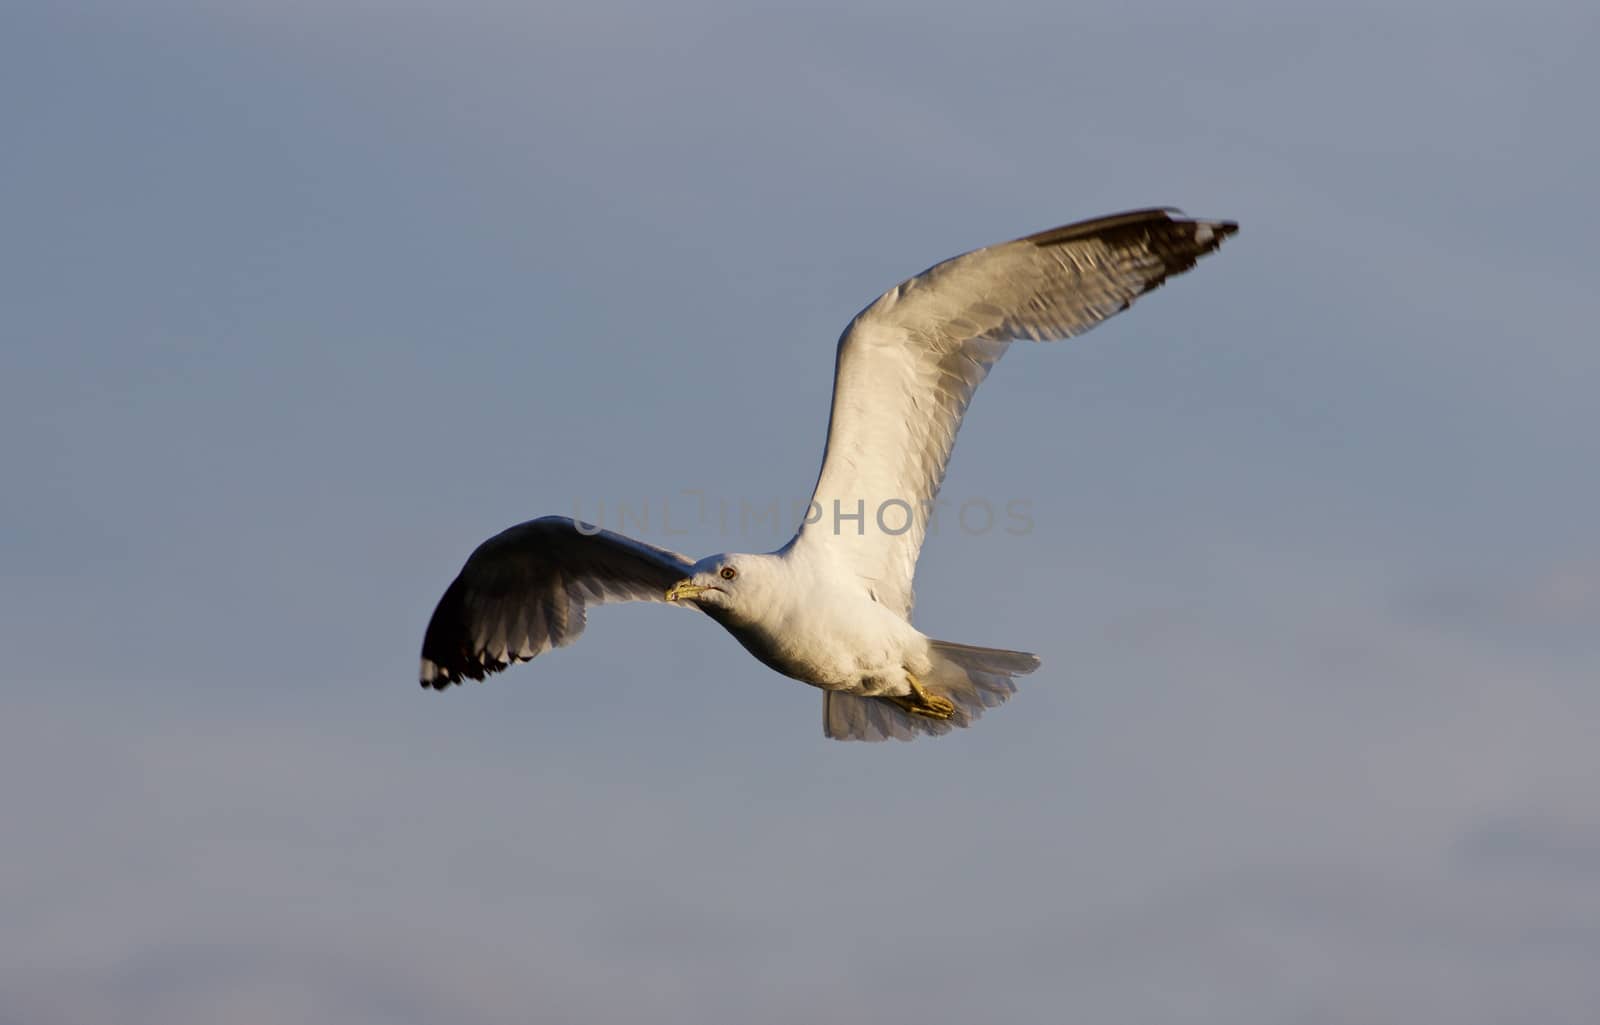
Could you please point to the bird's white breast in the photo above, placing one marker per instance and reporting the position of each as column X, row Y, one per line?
column 828, row 631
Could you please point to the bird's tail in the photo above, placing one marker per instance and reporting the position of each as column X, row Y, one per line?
column 972, row 678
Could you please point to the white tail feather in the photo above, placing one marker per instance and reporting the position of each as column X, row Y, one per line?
column 972, row 678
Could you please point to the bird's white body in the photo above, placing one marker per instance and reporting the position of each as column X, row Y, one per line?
column 833, row 607
column 817, row 626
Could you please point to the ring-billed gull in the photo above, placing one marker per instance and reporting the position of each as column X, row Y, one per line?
column 832, row 608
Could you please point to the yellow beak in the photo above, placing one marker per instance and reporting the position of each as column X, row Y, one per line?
column 683, row 590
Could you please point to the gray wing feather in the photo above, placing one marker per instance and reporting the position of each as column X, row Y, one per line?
column 527, row 589
column 909, row 364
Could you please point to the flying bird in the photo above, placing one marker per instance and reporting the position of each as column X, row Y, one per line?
column 832, row 608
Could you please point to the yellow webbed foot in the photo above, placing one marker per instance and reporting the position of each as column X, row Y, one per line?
column 923, row 702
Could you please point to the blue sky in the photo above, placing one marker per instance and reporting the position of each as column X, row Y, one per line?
column 303, row 300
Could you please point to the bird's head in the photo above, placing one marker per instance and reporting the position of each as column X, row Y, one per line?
column 733, row 585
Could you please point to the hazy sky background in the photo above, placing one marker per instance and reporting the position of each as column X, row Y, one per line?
column 302, row 300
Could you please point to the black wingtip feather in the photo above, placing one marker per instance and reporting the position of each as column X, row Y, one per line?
column 1131, row 222
column 447, row 644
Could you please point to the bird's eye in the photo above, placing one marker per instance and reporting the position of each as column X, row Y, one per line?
column 728, row 573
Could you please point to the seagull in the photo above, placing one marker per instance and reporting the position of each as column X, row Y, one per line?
column 832, row 608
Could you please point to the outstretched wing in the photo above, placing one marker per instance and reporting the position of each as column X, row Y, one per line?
column 525, row 591
column 909, row 364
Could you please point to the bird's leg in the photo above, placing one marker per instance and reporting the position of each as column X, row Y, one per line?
column 921, row 702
